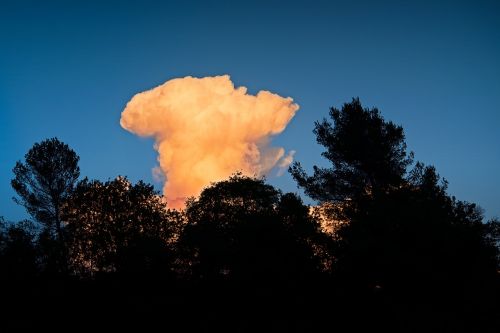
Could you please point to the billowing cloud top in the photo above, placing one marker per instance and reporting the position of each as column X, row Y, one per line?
column 206, row 129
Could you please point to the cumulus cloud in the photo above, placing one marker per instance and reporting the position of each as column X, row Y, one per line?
column 205, row 129
column 284, row 163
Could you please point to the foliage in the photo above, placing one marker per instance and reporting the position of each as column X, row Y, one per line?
column 18, row 252
column 367, row 154
column 243, row 229
column 387, row 247
column 43, row 183
column 404, row 234
column 114, row 223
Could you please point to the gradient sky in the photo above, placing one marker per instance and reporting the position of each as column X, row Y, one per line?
column 67, row 69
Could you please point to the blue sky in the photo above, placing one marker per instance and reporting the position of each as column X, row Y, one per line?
column 67, row 69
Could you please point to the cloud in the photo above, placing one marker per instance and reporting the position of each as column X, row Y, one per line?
column 158, row 175
column 284, row 163
column 205, row 129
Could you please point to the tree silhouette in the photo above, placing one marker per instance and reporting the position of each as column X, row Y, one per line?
column 405, row 238
column 243, row 229
column 18, row 252
column 44, row 182
column 401, row 253
column 367, row 154
column 118, row 226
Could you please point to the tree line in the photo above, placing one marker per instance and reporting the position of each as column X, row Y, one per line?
column 399, row 252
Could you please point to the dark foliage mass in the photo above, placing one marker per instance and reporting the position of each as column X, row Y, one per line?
column 118, row 227
column 241, row 230
column 43, row 183
column 367, row 154
column 387, row 248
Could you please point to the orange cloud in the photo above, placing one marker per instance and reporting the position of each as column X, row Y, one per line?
column 205, row 129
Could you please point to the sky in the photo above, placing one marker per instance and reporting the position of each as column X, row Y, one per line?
column 68, row 69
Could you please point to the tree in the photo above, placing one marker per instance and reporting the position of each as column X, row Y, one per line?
column 368, row 155
column 404, row 238
column 119, row 226
column 18, row 252
column 44, row 182
column 242, row 229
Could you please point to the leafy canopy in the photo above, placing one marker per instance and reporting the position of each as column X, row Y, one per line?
column 368, row 154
